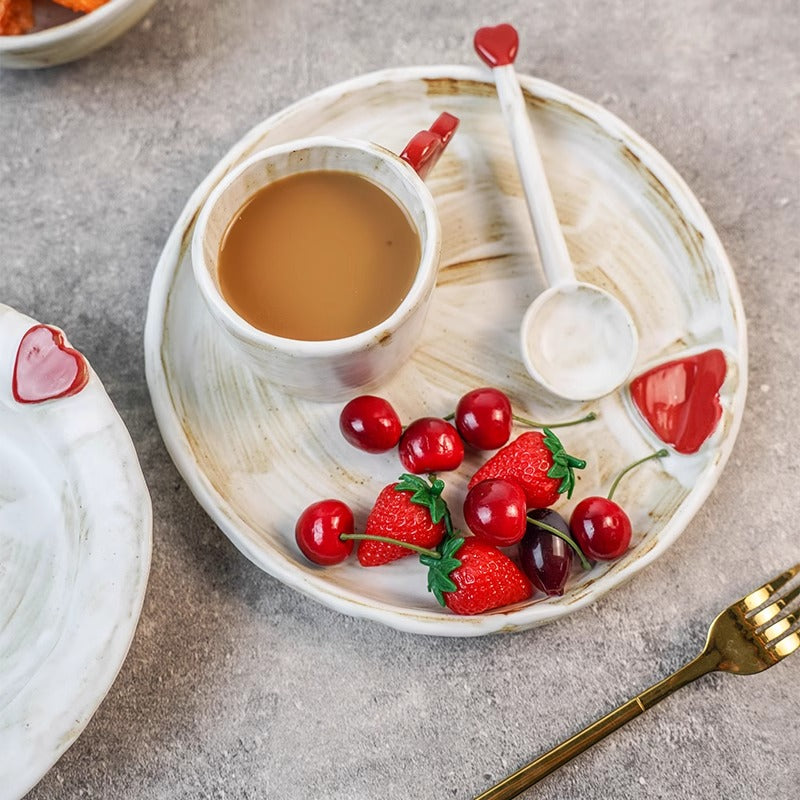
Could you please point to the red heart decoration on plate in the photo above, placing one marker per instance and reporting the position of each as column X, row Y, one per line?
column 46, row 368
column 497, row 46
column 680, row 399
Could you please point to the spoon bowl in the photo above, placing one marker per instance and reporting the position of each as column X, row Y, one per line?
column 578, row 341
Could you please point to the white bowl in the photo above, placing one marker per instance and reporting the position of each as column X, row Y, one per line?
column 74, row 39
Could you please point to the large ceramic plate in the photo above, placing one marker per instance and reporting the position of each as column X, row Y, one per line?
column 75, row 534
column 255, row 458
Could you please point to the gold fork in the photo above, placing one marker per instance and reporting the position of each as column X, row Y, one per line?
column 748, row 637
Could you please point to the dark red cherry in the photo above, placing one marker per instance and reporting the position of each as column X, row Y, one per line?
column 370, row 423
column 318, row 529
column 601, row 528
column 483, row 418
column 494, row 511
column 545, row 558
column 430, row 444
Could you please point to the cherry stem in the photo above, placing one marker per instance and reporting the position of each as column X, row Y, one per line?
column 388, row 540
column 533, row 424
column 658, row 454
column 561, row 535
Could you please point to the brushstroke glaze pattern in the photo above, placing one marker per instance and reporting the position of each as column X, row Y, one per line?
column 255, row 458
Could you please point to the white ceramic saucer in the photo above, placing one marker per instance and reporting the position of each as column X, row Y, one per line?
column 255, row 457
column 75, row 537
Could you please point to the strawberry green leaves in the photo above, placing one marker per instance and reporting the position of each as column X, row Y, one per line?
column 439, row 568
column 563, row 463
column 429, row 495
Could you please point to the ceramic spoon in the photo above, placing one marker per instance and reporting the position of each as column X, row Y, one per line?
column 578, row 341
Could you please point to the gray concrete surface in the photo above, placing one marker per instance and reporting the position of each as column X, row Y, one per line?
column 236, row 686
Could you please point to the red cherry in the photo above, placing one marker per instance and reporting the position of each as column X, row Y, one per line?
column 483, row 418
column 430, row 444
column 494, row 511
column 370, row 423
column 318, row 529
column 601, row 528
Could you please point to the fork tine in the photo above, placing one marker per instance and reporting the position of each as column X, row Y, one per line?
column 773, row 609
column 788, row 644
column 762, row 594
column 777, row 629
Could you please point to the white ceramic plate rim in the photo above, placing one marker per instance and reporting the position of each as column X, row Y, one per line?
column 340, row 599
column 101, row 667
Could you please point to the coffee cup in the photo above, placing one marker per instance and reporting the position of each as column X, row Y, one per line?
column 328, row 369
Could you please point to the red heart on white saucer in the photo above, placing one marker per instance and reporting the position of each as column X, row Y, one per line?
column 46, row 368
column 680, row 399
column 497, row 46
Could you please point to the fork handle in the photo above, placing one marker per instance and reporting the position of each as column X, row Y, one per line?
column 531, row 773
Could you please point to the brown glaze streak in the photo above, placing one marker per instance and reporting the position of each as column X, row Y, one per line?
column 644, row 549
column 186, row 238
column 449, row 87
column 539, row 102
column 452, row 86
column 580, row 592
column 446, row 274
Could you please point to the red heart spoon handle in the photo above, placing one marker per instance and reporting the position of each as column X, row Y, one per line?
column 497, row 46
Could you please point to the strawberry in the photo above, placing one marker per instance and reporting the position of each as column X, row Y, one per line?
column 411, row 510
column 471, row 576
column 538, row 463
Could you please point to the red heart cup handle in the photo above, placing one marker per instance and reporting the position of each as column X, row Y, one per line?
column 424, row 149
